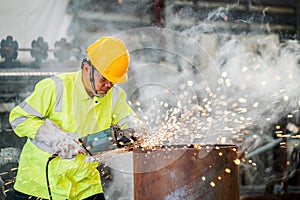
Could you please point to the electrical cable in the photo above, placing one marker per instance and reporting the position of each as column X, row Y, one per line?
column 54, row 156
column 84, row 147
column 47, row 175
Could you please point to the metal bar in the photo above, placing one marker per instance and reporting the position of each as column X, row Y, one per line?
column 264, row 148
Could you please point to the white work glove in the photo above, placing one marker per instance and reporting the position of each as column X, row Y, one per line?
column 92, row 159
column 64, row 144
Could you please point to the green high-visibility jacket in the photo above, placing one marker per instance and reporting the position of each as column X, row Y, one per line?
column 64, row 100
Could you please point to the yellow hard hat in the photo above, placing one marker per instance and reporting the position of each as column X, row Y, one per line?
column 110, row 58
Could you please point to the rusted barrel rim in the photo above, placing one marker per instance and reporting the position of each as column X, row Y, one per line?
column 167, row 154
column 182, row 146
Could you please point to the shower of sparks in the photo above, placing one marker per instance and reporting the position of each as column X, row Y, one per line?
column 179, row 125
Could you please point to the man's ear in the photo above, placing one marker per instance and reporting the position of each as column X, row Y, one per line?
column 86, row 67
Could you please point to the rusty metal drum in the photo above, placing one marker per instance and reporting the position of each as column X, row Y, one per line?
column 186, row 172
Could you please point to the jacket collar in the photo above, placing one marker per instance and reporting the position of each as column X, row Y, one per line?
column 79, row 87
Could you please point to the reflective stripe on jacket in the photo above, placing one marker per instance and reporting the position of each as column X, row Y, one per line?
column 64, row 100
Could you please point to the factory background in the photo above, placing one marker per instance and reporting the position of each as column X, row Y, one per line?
column 253, row 46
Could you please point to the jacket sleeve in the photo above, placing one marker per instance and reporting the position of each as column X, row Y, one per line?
column 122, row 114
column 27, row 117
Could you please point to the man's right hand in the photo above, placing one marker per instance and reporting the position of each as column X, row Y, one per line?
column 66, row 145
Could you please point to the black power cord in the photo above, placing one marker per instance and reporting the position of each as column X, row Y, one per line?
column 47, row 175
column 54, row 156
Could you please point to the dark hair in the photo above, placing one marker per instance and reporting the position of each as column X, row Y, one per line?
column 85, row 60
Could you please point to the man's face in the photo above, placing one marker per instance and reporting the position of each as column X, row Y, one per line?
column 102, row 85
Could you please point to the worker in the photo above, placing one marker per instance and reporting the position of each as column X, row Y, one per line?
column 61, row 110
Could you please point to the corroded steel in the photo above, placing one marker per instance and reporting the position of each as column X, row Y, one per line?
column 179, row 172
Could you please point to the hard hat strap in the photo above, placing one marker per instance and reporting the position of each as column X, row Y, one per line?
column 92, row 80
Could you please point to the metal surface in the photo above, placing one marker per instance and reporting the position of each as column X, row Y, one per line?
column 179, row 172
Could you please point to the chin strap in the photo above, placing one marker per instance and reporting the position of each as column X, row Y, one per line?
column 92, row 80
